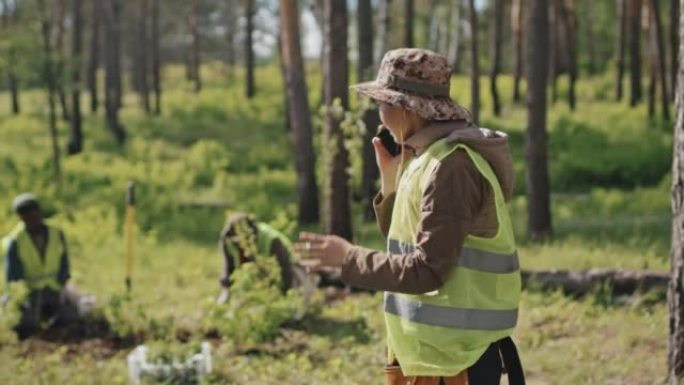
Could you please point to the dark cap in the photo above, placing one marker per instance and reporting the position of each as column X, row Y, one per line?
column 24, row 203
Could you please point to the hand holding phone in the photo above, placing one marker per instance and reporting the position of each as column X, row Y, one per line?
column 388, row 142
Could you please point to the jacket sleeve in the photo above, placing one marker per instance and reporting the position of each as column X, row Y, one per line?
column 64, row 270
column 14, row 270
column 450, row 201
column 383, row 211
column 283, row 256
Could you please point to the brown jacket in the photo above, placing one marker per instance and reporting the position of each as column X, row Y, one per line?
column 456, row 202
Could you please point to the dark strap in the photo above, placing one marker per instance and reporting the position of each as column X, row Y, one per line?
column 511, row 361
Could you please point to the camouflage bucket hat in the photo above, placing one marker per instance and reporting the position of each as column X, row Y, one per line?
column 417, row 80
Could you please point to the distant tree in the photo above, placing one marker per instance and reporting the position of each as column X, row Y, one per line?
column 113, row 10
column 555, row 41
column 474, row 63
column 156, row 57
column 195, row 60
column 60, row 16
column 298, row 107
column 335, row 71
column 536, row 137
column 384, row 28
column 142, row 49
column 660, row 55
column 635, row 51
column 249, row 48
column 517, row 26
column 408, row 23
column 9, row 22
column 589, row 30
column 674, row 45
column 93, row 63
column 568, row 17
column 652, row 64
column 495, row 47
column 76, row 138
column 231, row 31
column 453, row 53
column 621, row 44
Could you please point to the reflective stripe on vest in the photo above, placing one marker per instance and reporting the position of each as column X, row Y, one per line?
column 470, row 258
column 40, row 273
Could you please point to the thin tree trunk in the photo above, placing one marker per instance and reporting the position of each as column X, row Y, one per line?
column 113, row 12
column 76, row 139
column 660, row 56
column 591, row 52
column 156, row 58
column 474, row 64
column 249, row 48
column 621, row 43
column 635, row 51
column 433, row 26
column 93, row 63
column 384, row 29
column 142, row 45
column 231, row 21
column 298, row 105
column 675, row 293
column 674, row 45
column 370, row 172
column 408, row 23
column 536, row 137
column 553, row 49
column 652, row 65
column 59, row 48
column 455, row 38
column 517, row 24
column 13, row 80
column 336, row 70
column 568, row 16
column 9, row 16
column 496, row 36
column 193, row 22
column 283, row 74
column 50, row 81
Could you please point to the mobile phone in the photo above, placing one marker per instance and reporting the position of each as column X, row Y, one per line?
column 388, row 142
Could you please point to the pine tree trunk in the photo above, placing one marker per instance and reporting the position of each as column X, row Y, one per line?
column 652, row 65
column 370, row 172
column 336, row 70
column 93, row 63
column 9, row 16
column 231, row 21
column 113, row 12
column 433, row 26
column 635, row 51
column 675, row 293
column 156, row 57
column 517, row 24
column 298, row 106
column 455, row 38
column 142, row 44
column 674, row 45
column 195, row 48
column 621, row 43
column 59, row 58
column 474, row 64
column 384, row 28
column 536, row 137
column 76, row 138
column 249, row 48
column 497, row 31
column 408, row 23
column 553, row 49
column 660, row 56
column 13, row 80
column 591, row 52
column 568, row 16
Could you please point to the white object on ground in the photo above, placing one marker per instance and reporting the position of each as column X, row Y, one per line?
column 195, row 367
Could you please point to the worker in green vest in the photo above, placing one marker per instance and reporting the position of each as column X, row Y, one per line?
column 243, row 240
column 450, row 272
column 36, row 253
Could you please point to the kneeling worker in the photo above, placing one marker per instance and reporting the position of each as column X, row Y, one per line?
column 36, row 253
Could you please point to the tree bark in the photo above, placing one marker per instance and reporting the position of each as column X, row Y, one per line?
column 231, row 21
column 9, row 16
column 453, row 55
column 50, row 81
column 674, row 45
column 113, row 12
column 59, row 58
column 249, row 48
column 621, row 43
column 370, row 172
column 93, row 63
column 408, row 23
column 338, row 205
column 300, row 117
column 76, row 139
column 384, row 28
column 652, row 65
column 496, row 36
column 142, row 44
column 660, row 56
column 156, row 57
column 591, row 52
column 433, row 27
column 517, row 24
column 568, row 16
column 553, row 49
column 474, row 64
column 193, row 24
column 675, row 293
column 635, row 51
column 536, row 137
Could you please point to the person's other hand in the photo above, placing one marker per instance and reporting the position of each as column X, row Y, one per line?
column 322, row 250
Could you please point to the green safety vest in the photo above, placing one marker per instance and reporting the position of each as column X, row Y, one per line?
column 39, row 273
column 264, row 239
column 443, row 332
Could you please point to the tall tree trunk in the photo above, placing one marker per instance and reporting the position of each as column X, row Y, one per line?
column 517, row 24
column 231, row 30
column 621, row 43
column 13, row 80
column 652, row 65
column 50, row 81
column 568, row 16
column 408, row 23
column 674, row 45
column 9, row 16
column 474, row 64
column 553, row 49
column 536, row 137
column 249, row 48
column 113, row 11
column 193, row 22
column 384, row 28
column 93, row 63
column 433, row 26
column 76, row 139
column 591, row 52
column 336, row 70
column 496, row 36
column 675, row 293
column 370, row 173
column 59, row 48
column 455, row 39
column 635, row 51
column 142, row 45
column 283, row 74
column 298, row 106
column 660, row 56
column 156, row 57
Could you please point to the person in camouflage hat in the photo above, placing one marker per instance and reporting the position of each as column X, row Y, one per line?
column 450, row 300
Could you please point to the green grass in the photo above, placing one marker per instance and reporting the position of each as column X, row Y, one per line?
column 609, row 170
